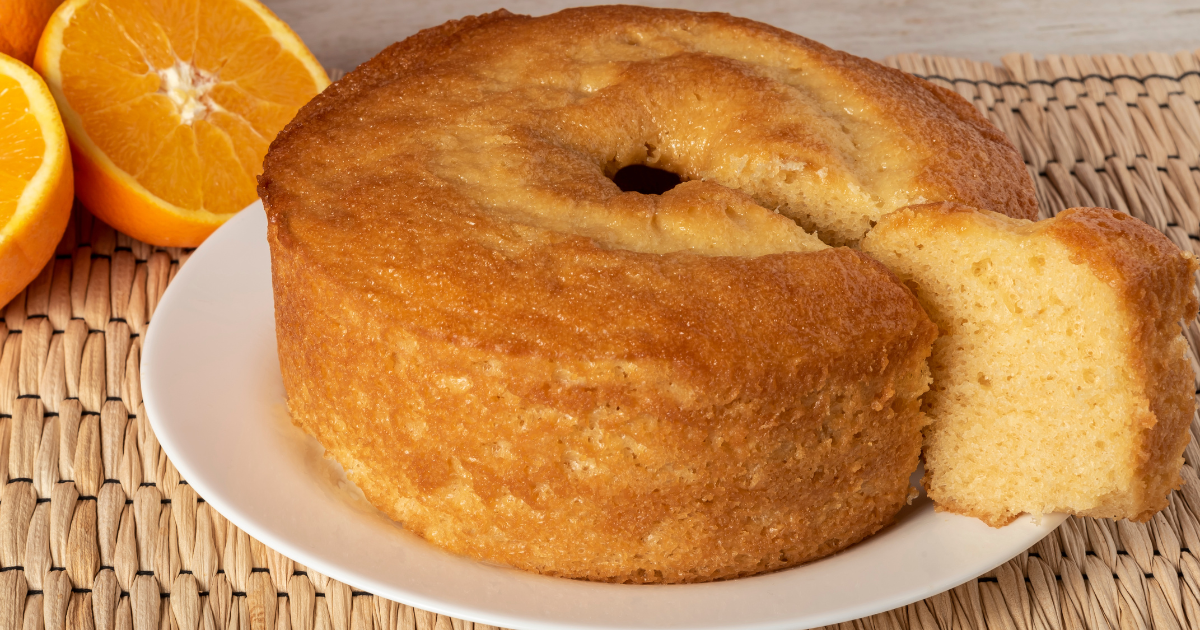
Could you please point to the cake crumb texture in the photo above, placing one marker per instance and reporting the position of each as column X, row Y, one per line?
column 1060, row 382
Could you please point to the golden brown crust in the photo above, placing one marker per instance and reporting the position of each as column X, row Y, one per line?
column 773, row 434
column 393, row 62
column 988, row 175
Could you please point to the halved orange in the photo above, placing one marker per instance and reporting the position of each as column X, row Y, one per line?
column 170, row 106
column 35, row 177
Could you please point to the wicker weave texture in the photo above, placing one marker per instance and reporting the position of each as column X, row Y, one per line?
column 98, row 531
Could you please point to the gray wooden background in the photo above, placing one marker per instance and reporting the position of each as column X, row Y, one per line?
column 344, row 33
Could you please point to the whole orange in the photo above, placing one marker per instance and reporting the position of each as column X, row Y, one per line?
column 21, row 24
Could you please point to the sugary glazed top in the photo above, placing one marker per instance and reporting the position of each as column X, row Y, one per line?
column 440, row 177
column 528, row 118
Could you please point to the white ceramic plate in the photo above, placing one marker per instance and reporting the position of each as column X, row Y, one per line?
column 210, row 377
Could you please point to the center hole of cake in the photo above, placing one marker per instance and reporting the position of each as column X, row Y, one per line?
column 644, row 179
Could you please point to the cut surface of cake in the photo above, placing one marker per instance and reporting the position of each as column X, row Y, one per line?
column 1060, row 382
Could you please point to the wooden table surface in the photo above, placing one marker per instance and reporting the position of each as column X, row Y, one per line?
column 344, row 33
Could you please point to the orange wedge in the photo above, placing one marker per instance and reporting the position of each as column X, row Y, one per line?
column 170, row 106
column 35, row 177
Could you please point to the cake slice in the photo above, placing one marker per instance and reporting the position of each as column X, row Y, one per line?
column 1060, row 381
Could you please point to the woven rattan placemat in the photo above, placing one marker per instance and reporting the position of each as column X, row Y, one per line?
column 98, row 531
